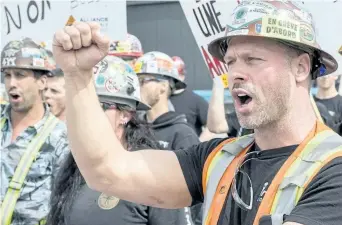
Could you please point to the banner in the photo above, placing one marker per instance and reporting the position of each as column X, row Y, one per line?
column 207, row 20
column 111, row 14
column 40, row 19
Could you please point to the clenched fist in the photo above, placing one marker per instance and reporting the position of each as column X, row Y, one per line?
column 78, row 48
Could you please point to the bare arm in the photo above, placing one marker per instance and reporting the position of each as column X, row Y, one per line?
column 216, row 121
column 149, row 177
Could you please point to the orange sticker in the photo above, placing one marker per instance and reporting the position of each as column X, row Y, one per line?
column 70, row 21
column 164, row 64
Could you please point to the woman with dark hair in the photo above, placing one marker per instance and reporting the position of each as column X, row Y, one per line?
column 72, row 201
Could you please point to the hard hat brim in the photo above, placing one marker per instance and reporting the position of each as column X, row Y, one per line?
column 26, row 68
column 179, row 84
column 129, row 54
column 329, row 61
column 142, row 106
column 132, row 102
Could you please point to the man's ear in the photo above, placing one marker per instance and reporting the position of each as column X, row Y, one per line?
column 164, row 85
column 301, row 67
column 42, row 80
column 335, row 77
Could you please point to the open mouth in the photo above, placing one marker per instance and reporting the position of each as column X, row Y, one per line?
column 244, row 99
column 14, row 96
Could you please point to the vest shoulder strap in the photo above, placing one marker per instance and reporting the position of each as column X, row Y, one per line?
column 210, row 159
column 20, row 173
column 219, row 175
column 311, row 160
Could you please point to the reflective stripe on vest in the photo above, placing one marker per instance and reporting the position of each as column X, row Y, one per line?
column 300, row 168
column 17, row 181
column 301, row 171
column 219, row 164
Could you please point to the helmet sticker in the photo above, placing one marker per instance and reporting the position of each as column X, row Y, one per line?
column 8, row 61
column 152, row 67
column 38, row 62
column 277, row 27
column 31, row 52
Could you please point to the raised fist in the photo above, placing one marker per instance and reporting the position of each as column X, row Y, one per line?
column 78, row 48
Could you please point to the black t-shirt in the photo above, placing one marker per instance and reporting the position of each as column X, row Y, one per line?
column 88, row 209
column 193, row 106
column 334, row 106
column 321, row 203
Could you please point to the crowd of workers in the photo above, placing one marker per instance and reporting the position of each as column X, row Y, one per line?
column 95, row 131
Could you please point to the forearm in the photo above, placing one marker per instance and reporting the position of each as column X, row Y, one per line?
column 216, row 121
column 92, row 150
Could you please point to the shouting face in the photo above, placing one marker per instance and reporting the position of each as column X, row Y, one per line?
column 259, row 80
column 23, row 88
column 55, row 95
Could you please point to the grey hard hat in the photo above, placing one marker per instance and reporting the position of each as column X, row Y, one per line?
column 26, row 54
column 158, row 63
column 115, row 81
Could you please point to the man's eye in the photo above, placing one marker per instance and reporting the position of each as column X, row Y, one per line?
column 230, row 62
column 253, row 59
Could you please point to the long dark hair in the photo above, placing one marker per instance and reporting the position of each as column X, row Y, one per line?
column 69, row 179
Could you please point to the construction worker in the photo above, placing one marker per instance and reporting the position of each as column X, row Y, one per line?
column 117, row 87
column 196, row 109
column 328, row 96
column 158, row 79
column 33, row 141
column 288, row 172
column 129, row 50
column 54, row 93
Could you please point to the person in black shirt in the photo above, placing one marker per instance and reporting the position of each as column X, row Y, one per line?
column 328, row 96
column 170, row 128
column 157, row 83
column 270, row 82
column 195, row 107
column 72, row 201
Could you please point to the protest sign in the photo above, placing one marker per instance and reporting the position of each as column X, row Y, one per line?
column 207, row 20
column 40, row 19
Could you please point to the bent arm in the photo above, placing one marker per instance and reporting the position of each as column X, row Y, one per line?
column 107, row 167
column 216, row 121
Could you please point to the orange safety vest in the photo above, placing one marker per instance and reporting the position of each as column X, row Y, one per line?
column 319, row 147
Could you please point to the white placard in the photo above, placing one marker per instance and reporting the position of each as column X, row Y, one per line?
column 40, row 19
column 207, row 20
column 111, row 14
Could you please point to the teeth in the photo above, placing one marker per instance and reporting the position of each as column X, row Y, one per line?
column 242, row 95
